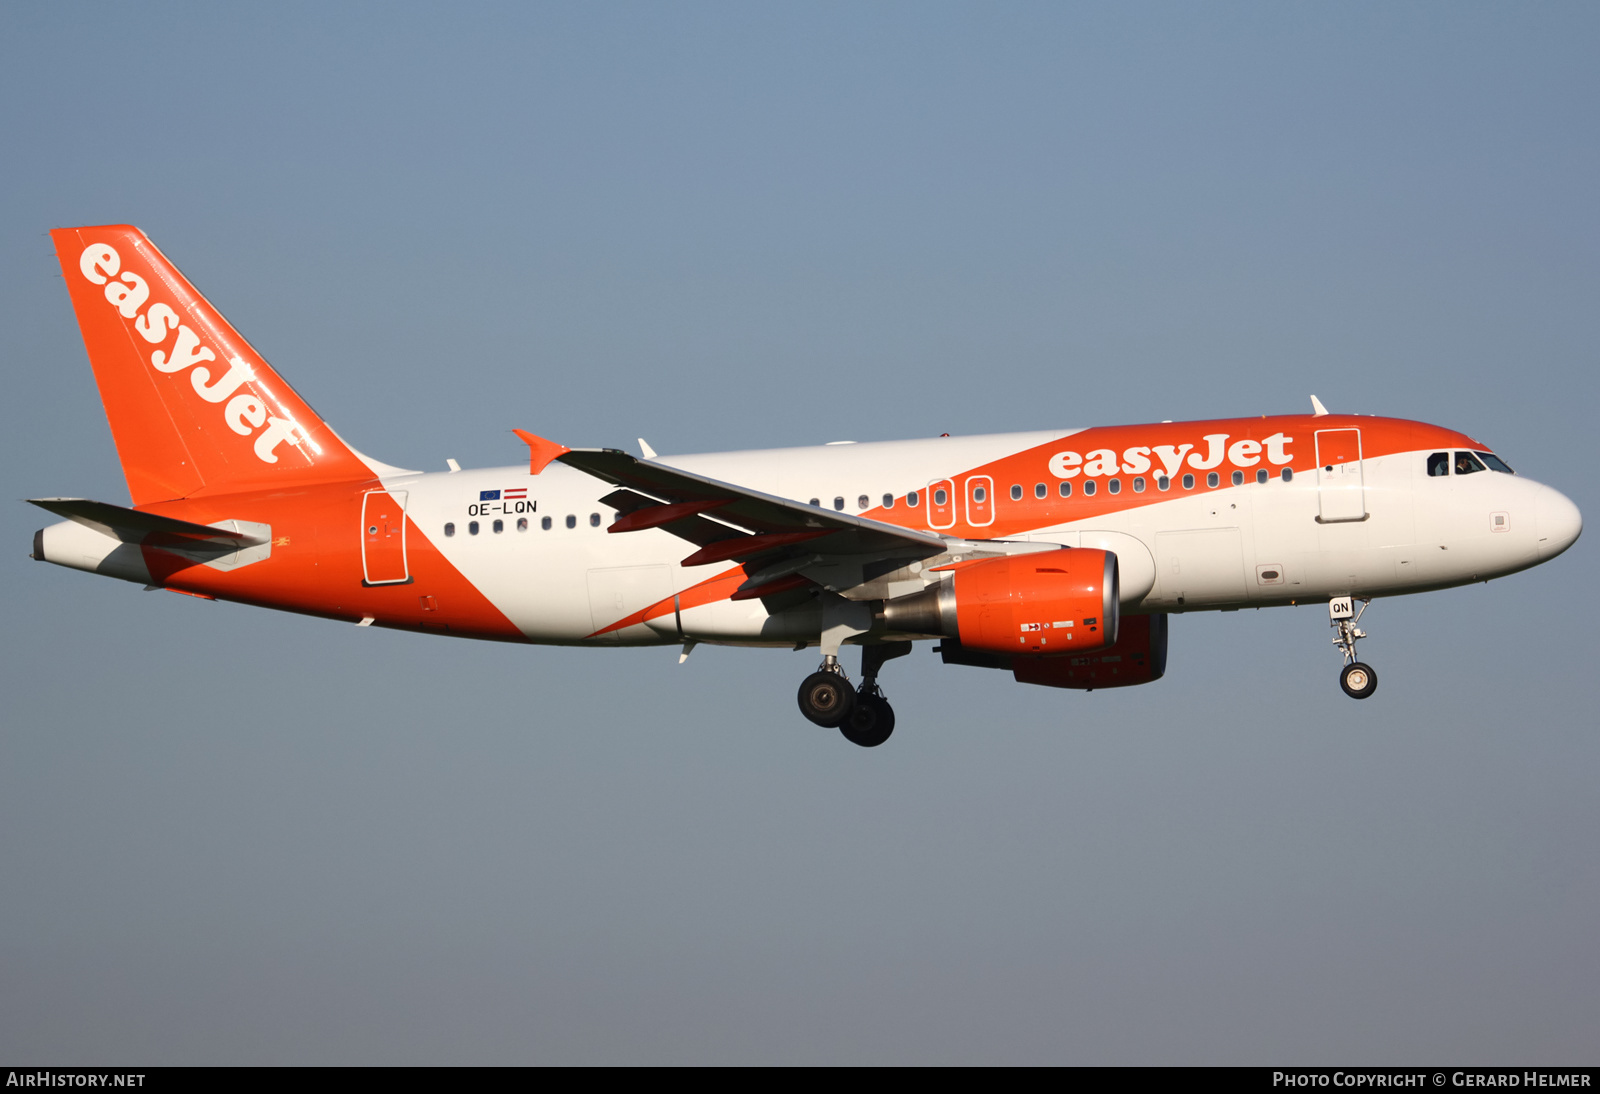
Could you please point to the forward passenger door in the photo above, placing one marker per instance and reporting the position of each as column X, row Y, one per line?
column 1341, row 492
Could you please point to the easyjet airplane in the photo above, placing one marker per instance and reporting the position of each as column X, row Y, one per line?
column 1055, row 555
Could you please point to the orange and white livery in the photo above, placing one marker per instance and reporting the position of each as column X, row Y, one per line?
column 1055, row 555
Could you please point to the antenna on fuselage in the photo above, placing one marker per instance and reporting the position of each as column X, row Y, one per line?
column 1317, row 409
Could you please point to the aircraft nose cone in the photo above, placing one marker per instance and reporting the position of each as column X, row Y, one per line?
column 1560, row 523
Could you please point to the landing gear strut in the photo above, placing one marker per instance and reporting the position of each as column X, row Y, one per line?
column 1357, row 679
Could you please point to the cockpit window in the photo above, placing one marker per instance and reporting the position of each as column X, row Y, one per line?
column 1438, row 465
column 1495, row 463
column 1467, row 463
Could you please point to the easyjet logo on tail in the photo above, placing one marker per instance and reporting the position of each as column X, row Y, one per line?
column 1137, row 460
column 243, row 411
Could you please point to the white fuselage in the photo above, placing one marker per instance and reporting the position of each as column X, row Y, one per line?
column 1225, row 548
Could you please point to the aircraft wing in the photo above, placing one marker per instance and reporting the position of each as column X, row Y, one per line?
column 735, row 523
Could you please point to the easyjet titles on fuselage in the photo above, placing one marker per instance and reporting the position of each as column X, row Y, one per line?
column 1137, row 460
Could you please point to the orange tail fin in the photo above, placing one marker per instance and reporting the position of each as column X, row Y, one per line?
column 193, row 408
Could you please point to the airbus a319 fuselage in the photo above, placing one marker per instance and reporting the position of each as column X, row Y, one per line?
column 1056, row 555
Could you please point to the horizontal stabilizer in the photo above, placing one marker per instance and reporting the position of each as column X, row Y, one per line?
column 132, row 526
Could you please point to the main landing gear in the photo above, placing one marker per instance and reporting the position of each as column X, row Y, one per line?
column 862, row 714
column 826, row 696
column 1357, row 679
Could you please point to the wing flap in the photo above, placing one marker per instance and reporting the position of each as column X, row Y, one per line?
column 696, row 529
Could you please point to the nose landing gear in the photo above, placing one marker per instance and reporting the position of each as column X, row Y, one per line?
column 1357, row 679
column 862, row 714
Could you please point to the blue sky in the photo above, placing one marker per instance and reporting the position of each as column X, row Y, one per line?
column 234, row 836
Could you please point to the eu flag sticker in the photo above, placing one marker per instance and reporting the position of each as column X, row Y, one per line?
column 488, row 495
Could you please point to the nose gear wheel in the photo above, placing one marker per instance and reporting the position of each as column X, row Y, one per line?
column 1357, row 678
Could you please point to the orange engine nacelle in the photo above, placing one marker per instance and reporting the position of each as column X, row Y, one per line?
column 1048, row 602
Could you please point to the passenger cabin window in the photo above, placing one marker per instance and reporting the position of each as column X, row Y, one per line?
column 572, row 521
column 979, row 493
column 1495, row 463
column 1040, row 490
column 1188, row 482
column 1438, row 465
column 472, row 527
column 449, row 529
column 1065, row 489
column 1138, row 485
column 499, row 526
column 1163, row 483
column 863, row 502
column 1288, row 474
column 911, row 500
column 941, row 498
column 522, row 524
column 1212, row 479
column 545, row 524
column 1468, row 464
column 838, row 504
column 1088, row 487
column 888, row 501
column 1115, row 486
column 1016, row 492
column 815, row 501
column 594, row 520
column 1261, row 474
column 1238, row 478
